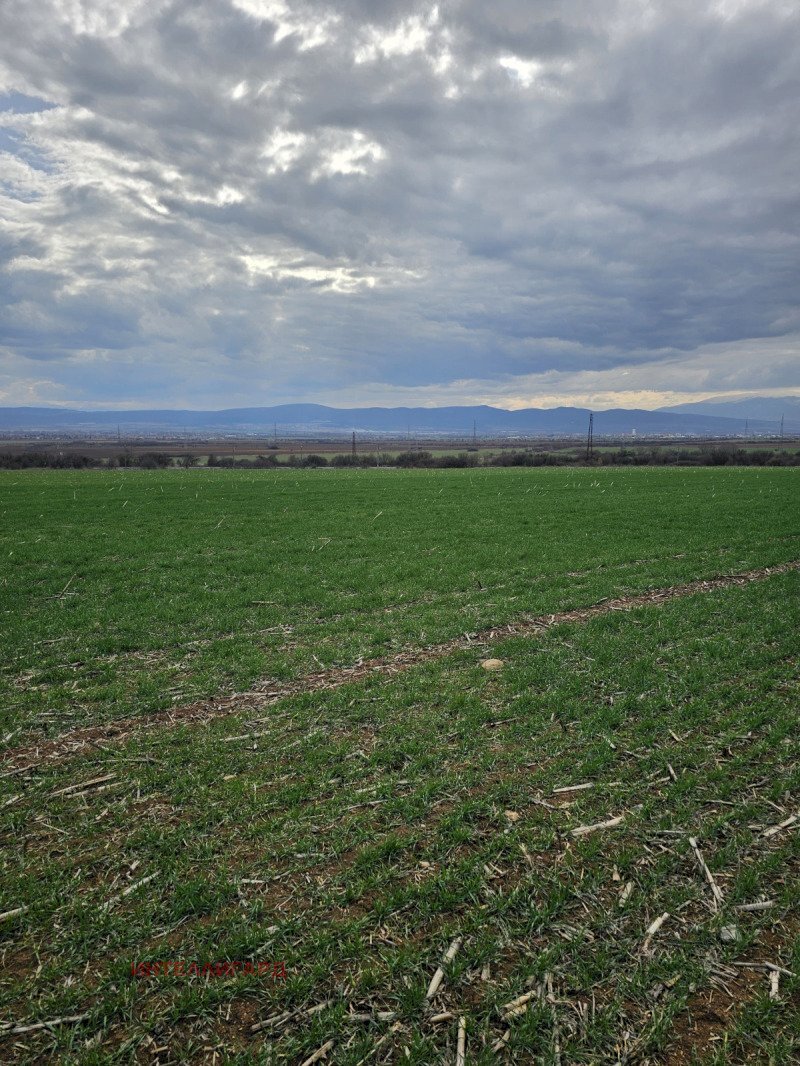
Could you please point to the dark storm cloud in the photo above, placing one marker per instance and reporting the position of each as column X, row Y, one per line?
column 256, row 198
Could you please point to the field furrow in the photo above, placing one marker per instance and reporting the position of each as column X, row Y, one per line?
column 596, row 843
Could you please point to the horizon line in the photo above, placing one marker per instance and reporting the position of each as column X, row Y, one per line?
column 96, row 408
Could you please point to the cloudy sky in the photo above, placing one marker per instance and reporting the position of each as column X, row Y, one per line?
column 210, row 203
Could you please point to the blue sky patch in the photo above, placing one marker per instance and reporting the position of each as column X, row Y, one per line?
column 20, row 104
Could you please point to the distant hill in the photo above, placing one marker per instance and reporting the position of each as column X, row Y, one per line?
column 754, row 408
column 316, row 419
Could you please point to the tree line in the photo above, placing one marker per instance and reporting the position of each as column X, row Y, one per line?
column 709, row 455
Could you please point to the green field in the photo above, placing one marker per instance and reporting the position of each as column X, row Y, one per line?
column 352, row 833
column 127, row 591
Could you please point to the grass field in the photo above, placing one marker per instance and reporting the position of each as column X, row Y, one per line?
column 127, row 591
column 352, row 833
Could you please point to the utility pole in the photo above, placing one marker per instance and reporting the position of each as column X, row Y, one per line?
column 590, row 437
column 354, row 444
column 474, row 434
column 781, row 427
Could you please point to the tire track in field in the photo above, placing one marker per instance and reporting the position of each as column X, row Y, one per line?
column 72, row 743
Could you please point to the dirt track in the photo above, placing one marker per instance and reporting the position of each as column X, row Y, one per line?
column 269, row 692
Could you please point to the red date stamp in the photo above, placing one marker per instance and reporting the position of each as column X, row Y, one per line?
column 272, row 971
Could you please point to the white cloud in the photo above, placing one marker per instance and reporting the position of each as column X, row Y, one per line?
column 524, row 70
column 351, row 154
column 508, row 201
column 339, row 278
column 412, row 34
column 311, row 32
column 283, row 149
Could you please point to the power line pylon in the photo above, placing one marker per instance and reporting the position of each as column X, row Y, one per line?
column 590, row 437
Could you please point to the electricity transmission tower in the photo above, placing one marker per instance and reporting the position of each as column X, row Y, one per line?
column 590, row 437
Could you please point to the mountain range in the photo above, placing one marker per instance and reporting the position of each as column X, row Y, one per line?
column 769, row 408
column 759, row 416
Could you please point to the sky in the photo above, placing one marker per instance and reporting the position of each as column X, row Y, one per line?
column 219, row 203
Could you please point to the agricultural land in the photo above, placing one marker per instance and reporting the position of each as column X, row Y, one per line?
column 467, row 766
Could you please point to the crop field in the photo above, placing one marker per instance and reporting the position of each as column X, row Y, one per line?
column 263, row 802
